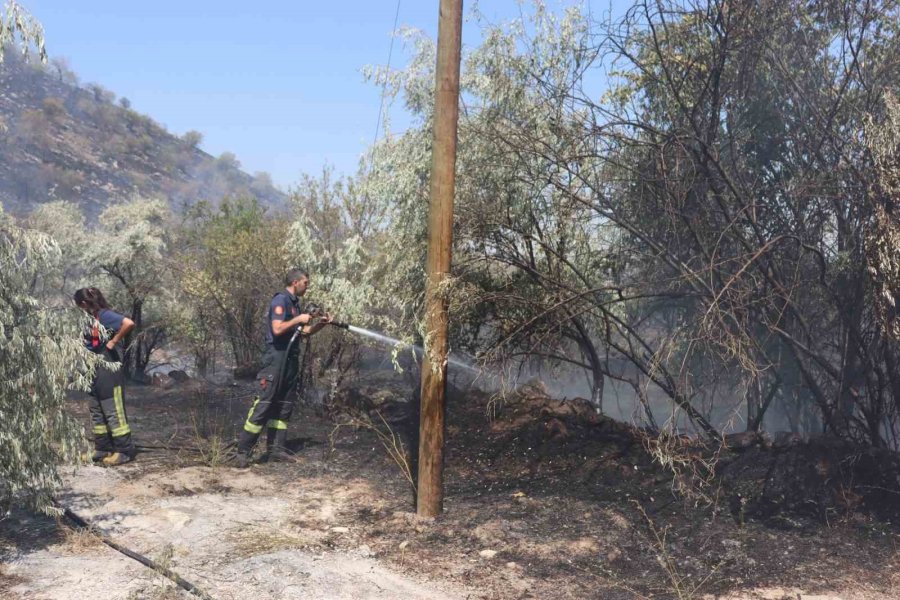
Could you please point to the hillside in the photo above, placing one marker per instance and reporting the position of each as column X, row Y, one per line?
column 63, row 141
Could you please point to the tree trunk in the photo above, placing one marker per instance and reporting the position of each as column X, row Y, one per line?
column 131, row 360
column 597, row 389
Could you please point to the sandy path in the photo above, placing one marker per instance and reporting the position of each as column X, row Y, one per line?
column 232, row 533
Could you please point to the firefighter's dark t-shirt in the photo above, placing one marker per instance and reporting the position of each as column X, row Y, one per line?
column 102, row 329
column 284, row 307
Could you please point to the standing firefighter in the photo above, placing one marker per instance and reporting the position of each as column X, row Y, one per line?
column 112, row 435
column 272, row 408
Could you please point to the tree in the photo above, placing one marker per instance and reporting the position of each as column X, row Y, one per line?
column 130, row 251
column 701, row 224
column 64, row 70
column 336, row 236
column 227, row 161
column 229, row 270
column 41, row 357
column 17, row 24
column 41, row 353
column 522, row 248
column 192, row 138
column 64, row 222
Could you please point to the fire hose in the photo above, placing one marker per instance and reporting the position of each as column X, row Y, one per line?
column 80, row 523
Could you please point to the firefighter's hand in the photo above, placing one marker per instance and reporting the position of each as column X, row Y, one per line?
column 327, row 318
column 110, row 345
column 304, row 319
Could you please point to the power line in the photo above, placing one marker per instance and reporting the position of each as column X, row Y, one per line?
column 387, row 71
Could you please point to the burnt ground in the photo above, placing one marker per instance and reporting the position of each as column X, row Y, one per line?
column 547, row 500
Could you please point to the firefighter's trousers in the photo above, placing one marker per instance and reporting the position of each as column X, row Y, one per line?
column 112, row 432
column 273, row 406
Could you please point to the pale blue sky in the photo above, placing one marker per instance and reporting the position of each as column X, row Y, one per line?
column 276, row 82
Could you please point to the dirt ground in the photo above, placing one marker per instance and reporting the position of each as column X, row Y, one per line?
column 545, row 500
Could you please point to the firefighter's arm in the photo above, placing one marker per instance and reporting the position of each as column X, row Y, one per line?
column 127, row 326
column 282, row 327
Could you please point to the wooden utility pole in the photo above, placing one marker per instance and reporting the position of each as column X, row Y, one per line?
column 430, row 497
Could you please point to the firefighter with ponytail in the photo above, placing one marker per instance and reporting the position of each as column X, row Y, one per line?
column 104, row 334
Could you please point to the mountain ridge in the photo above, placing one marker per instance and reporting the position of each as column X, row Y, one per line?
column 63, row 141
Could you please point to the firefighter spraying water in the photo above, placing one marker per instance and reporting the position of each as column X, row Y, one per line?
column 288, row 319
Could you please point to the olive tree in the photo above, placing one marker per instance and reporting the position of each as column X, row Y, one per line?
column 17, row 25
column 41, row 358
column 227, row 270
column 337, row 236
column 41, row 353
column 128, row 249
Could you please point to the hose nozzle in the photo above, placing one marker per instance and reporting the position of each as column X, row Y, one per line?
column 341, row 325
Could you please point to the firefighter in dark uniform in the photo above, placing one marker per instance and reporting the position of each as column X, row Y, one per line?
column 112, row 434
column 288, row 322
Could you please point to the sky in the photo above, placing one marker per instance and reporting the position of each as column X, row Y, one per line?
column 277, row 82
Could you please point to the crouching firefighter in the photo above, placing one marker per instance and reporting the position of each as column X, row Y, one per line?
column 288, row 322
column 112, row 434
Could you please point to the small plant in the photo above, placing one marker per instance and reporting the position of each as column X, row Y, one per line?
column 680, row 584
column 391, row 442
column 211, row 439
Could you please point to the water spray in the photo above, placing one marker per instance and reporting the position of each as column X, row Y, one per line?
column 317, row 311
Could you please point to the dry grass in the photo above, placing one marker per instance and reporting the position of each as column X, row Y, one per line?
column 253, row 539
column 390, row 441
column 212, row 439
column 693, row 466
column 78, row 540
column 680, row 585
column 7, row 581
column 160, row 589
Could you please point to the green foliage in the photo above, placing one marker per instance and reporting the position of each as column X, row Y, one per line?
column 41, row 357
column 686, row 221
column 334, row 238
column 525, row 247
column 130, row 251
column 228, row 269
column 192, row 138
column 16, row 24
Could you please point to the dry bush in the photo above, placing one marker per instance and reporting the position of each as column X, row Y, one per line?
column 691, row 462
column 390, row 440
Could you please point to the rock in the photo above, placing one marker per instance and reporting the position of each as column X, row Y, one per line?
column 556, row 428
column 487, row 553
column 365, row 551
column 584, row 546
column 179, row 376
column 160, row 380
column 404, row 544
column 511, row 565
column 246, row 372
column 743, row 440
column 340, row 529
column 785, row 439
column 613, row 555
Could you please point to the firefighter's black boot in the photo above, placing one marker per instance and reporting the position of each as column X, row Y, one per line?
column 278, row 451
column 245, row 449
column 270, row 443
